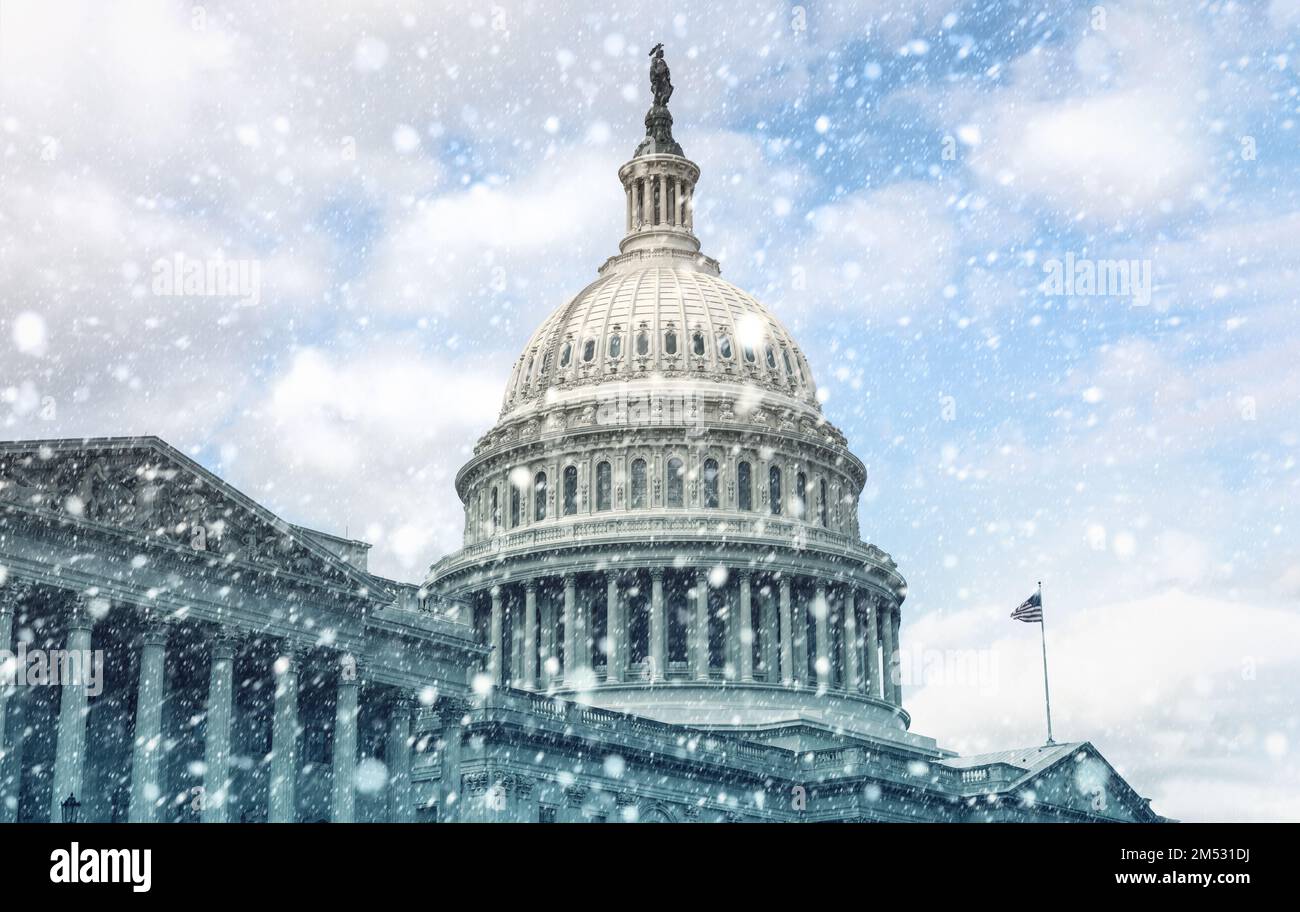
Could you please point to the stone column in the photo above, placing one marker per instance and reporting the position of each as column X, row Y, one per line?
column 10, row 768
column 530, row 635
column 570, row 629
column 895, row 670
column 801, row 673
column 788, row 677
column 496, row 668
column 746, row 627
column 146, row 759
column 70, row 750
column 767, row 619
column 452, row 714
column 282, row 791
column 661, row 205
column 342, row 791
column 871, row 648
column 852, row 679
column 216, row 740
column 399, row 759
column 701, row 624
column 658, row 659
column 629, row 210
column 888, row 653
column 822, row 617
column 613, row 630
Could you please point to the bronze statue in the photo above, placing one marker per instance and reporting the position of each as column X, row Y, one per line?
column 660, row 80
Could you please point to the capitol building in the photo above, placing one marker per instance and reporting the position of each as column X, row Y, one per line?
column 663, row 609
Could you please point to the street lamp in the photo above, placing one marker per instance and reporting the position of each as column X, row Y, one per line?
column 71, row 808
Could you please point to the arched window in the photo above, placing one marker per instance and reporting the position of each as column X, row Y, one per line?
column 528, row 372
column 638, row 484
column 515, row 506
column 800, row 495
column 589, row 350
column 570, row 490
column 697, row 343
column 744, row 487
column 604, row 487
column 546, row 362
column 774, row 489
column 711, row 483
column 821, row 503
column 616, row 346
column 785, row 356
column 748, row 350
column 539, row 496
column 724, row 346
column 771, row 358
column 496, row 511
column 566, row 354
column 670, row 342
column 642, row 343
column 676, row 483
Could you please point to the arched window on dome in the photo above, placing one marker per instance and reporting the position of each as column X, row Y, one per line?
column 616, row 346
column 638, row 484
column 821, row 504
column 604, row 487
column 697, row 343
column 589, row 350
column 774, row 489
column 516, row 506
column 724, row 346
column 771, row 357
column 546, row 362
column 539, row 497
column 570, row 490
column 711, row 484
column 670, row 342
column 675, row 483
column 566, row 354
column 744, row 487
column 642, row 344
column 748, row 349
column 800, row 495
column 789, row 370
column 496, row 511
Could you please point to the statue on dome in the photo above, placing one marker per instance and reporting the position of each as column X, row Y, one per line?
column 661, row 85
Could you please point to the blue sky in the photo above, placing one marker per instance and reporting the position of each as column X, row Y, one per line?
column 421, row 187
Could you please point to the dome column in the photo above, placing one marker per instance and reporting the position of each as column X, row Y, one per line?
column 530, row 635
column 852, row 679
column 701, row 650
column 658, row 668
column 613, row 631
column 889, row 685
column 788, row 676
column 495, row 636
column 821, row 614
column 871, row 639
column 746, row 627
column 570, row 629
column 895, row 670
column 800, row 642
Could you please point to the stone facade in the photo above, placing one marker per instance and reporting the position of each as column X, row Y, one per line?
column 663, row 609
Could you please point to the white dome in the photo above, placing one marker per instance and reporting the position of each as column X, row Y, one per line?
column 660, row 317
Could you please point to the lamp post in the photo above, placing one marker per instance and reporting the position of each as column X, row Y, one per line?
column 71, row 808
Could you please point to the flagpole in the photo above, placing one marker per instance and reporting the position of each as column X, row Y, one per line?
column 1042, row 629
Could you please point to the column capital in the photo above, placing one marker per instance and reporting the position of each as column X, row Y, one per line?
column 530, row 585
column 349, row 665
column 657, row 573
column 156, row 631
column 745, row 574
column 224, row 646
column 79, row 614
column 702, row 574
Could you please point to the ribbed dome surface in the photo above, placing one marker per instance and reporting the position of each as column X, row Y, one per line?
column 662, row 319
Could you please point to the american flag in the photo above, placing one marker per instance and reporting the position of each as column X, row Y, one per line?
column 1031, row 611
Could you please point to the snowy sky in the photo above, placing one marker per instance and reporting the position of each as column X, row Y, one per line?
column 421, row 184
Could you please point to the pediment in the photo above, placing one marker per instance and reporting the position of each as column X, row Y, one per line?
column 144, row 488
